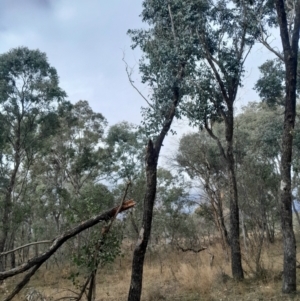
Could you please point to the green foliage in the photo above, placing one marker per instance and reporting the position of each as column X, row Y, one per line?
column 257, row 150
column 98, row 251
column 172, row 205
column 29, row 92
column 165, row 56
column 125, row 152
column 270, row 86
column 199, row 155
column 94, row 198
column 261, row 129
column 95, row 253
column 26, row 77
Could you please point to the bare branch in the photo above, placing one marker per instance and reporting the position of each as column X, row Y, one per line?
column 82, row 291
column 190, row 249
column 172, row 22
column 263, row 41
column 27, row 245
column 212, row 135
column 129, row 73
column 267, row 45
column 118, row 210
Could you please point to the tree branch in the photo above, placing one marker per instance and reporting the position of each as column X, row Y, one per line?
column 190, row 249
column 267, row 45
column 27, row 245
column 212, row 135
column 60, row 240
column 172, row 22
column 131, row 82
column 210, row 59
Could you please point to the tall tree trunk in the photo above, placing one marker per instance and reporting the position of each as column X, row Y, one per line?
column 141, row 245
column 152, row 155
column 236, row 257
column 290, row 51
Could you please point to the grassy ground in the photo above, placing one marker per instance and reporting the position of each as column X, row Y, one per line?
column 173, row 275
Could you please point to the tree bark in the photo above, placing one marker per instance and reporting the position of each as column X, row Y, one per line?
column 290, row 51
column 236, row 257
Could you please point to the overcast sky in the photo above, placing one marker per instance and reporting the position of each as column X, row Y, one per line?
column 85, row 41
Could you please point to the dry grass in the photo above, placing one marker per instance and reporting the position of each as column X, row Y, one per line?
column 173, row 275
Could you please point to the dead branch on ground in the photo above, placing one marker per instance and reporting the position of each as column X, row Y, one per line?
column 37, row 261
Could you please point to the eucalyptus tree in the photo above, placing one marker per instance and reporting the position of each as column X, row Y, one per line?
column 171, row 209
column 83, row 145
column 285, row 15
column 200, row 157
column 220, row 36
column 72, row 158
column 125, row 144
column 162, row 67
column 257, row 133
column 29, row 91
column 271, row 84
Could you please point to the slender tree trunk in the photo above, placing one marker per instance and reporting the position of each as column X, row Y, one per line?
column 290, row 51
column 141, row 245
column 244, row 233
column 289, row 242
column 92, row 288
column 222, row 220
column 236, row 257
column 152, row 155
column 7, row 199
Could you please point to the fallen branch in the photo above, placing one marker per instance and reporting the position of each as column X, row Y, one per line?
column 37, row 261
column 27, row 245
